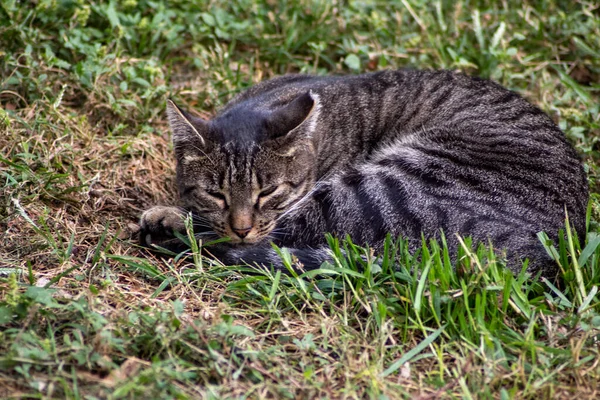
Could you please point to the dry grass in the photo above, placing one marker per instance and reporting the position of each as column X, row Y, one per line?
column 84, row 150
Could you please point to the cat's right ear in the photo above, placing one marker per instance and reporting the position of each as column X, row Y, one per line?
column 286, row 119
column 186, row 128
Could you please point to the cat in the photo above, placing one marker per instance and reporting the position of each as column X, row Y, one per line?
column 406, row 152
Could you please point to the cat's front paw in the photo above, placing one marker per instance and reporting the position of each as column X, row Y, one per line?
column 158, row 224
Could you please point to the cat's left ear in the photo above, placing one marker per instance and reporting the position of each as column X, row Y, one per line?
column 186, row 128
column 300, row 110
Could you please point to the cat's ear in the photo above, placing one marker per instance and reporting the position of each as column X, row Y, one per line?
column 286, row 119
column 186, row 128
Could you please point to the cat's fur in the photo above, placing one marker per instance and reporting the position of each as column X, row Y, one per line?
column 406, row 152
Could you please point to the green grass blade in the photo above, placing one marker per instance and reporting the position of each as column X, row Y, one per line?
column 590, row 248
column 587, row 300
column 409, row 355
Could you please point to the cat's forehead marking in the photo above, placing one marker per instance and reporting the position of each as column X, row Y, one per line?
column 254, row 179
column 231, row 169
column 240, row 166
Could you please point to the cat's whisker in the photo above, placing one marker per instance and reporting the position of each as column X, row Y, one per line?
column 203, row 153
column 186, row 211
column 206, row 236
column 275, row 235
column 278, row 231
column 200, row 220
column 303, row 199
column 204, row 233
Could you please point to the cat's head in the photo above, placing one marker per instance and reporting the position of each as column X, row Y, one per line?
column 243, row 169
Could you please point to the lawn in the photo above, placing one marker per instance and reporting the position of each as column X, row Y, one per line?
column 85, row 148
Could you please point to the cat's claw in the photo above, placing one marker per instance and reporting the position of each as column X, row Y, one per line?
column 158, row 224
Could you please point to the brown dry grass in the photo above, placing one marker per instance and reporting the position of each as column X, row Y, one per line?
column 83, row 155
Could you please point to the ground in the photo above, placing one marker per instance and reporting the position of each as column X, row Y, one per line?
column 85, row 148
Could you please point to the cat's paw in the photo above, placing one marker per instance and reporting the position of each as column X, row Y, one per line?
column 158, row 224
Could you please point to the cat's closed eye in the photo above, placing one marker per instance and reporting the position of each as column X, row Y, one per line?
column 268, row 191
column 188, row 190
column 218, row 196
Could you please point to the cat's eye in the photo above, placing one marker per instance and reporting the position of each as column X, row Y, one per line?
column 216, row 195
column 267, row 191
column 188, row 190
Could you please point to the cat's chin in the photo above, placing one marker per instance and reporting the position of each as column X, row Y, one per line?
column 234, row 241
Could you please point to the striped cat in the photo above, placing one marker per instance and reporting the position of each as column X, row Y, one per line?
column 403, row 152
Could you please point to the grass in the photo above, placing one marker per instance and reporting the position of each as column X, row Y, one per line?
column 84, row 149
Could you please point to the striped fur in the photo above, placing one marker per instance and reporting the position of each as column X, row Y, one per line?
column 406, row 152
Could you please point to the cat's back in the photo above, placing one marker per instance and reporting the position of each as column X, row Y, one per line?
column 462, row 115
column 404, row 100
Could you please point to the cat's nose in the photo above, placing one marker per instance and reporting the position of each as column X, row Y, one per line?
column 242, row 233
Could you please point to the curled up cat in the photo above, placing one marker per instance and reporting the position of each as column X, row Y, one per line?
column 406, row 152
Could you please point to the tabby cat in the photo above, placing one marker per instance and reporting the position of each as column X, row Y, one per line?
column 404, row 152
